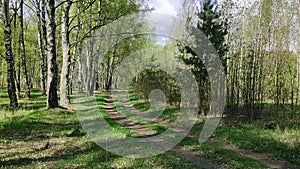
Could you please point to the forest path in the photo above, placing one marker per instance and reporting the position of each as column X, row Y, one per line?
column 186, row 154
column 263, row 158
column 144, row 132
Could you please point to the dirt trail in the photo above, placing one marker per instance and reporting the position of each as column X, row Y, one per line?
column 109, row 108
column 280, row 164
column 199, row 161
column 143, row 132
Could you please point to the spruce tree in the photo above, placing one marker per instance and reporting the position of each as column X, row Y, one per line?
column 212, row 25
column 214, row 28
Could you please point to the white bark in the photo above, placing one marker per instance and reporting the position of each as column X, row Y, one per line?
column 65, row 73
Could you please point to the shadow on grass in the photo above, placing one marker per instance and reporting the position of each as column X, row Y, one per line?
column 20, row 128
column 251, row 139
column 25, row 105
column 69, row 153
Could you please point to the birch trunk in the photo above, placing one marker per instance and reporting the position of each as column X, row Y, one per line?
column 23, row 52
column 79, row 48
column 9, row 56
column 52, row 101
column 41, row 50
column 65, row 72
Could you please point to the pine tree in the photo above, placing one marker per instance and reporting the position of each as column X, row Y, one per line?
column 214, row 28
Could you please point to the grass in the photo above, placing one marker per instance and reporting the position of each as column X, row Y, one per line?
column 170, row 114
column 281, row 143
column 35, row 137
column 221, row 156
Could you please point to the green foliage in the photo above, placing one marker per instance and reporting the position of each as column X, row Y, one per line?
column 214, row 27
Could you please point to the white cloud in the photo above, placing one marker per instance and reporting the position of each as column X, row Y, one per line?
column 169, row 7
column 164, row 8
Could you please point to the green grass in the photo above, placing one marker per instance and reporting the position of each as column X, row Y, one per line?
column 170, row 114
column 221, row 156
column 101, row 101
column 281, row 143
column 25, row 132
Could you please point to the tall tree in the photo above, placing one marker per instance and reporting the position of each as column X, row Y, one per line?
column 211, row 24
column 298, row 49
column 23, row 51
column 80, row 80
column 52, row 100
column 90, row 57
column 214, row 27
column 9, row 56
column 42, row 46
column 113, row 9
column 65, row 72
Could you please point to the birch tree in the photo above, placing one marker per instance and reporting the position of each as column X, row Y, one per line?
column 52, row 101
column 65, row 72
column 42, row 45
column 23, row 51
column 9, row 56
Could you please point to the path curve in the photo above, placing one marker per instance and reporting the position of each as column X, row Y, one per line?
column 199, row 161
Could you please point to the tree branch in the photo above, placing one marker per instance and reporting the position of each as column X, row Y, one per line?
column 2, row 56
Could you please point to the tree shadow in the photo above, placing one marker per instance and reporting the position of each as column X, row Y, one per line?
column 251, row 140
column 67, row 153
column 20, row 128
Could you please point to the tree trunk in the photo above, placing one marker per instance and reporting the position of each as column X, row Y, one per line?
column 44, row 27
column 23, row 52
column 96, row 62
column 32, row 70
column 52, row 101
column 2, row 74
column 16, row 50
column 44, row 37
column 80, row 72
column 79, row 59
column 9, row 56
column 65, row 72
column 80, row 80
column 89, row 59
column 17, row 76
column 89, row 68
column 41, row 50
column 298, row 58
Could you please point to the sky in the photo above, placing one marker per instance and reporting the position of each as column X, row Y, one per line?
column 169, row 7
column 166, row 7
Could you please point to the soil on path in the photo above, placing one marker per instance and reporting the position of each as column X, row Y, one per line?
column 143, row 132
column 188, row 155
